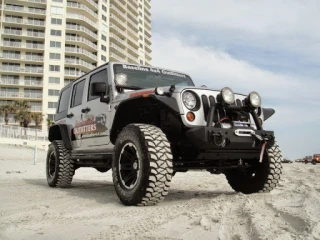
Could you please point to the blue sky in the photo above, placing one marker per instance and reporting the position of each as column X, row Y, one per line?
column 271, row 47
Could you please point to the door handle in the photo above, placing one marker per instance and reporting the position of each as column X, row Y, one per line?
column 85, row 110
column 70, row 115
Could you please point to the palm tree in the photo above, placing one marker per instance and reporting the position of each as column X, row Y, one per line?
column 37, row 118
column 21, row 105
column 6, row 110
column 23, row 117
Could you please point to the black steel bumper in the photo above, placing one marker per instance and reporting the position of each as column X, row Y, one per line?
column 229, row 143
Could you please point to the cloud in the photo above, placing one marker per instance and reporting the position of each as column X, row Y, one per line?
column 294, row 100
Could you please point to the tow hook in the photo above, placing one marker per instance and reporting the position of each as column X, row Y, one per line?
column 266, row 140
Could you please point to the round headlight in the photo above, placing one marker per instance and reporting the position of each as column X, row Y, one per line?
column 255, row 99
column 227, row 95
column 189, row 100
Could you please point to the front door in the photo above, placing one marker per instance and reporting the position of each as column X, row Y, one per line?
column 97, row 114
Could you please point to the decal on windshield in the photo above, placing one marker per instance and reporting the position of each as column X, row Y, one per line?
column 154, row 70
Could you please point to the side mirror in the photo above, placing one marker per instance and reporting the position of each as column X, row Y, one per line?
column 100, row 89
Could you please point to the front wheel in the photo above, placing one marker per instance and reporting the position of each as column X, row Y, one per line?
column 314, row 162
column 142, row 165
column 260, row 177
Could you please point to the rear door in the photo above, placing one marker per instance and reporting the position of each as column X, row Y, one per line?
column 75, row 112
column 98, row 115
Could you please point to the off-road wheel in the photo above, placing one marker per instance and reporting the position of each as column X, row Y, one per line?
column 314, row 162
column 59, row 168
column 142, row 165
column 261, row 177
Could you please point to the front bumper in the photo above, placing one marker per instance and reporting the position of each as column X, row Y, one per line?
column 229, row 143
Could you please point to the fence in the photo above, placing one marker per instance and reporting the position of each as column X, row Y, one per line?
column 23, row 133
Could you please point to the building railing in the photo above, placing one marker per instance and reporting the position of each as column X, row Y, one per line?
column 22, row 133
column 118, row 58
column 112, row 16
column 23, row 21
column 24, row 9
column 23, row 33
column 20, row 95
column 82, row 6
column 119, row 49
column 81, row 39
column 73, row 73
column 9, row 81
column 22, row 70
column 22, row 45
column 83, row 29
column 81, row 17
column 79, row 62
column 81, row 50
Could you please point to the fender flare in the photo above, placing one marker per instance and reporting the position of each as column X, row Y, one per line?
column 61, row 132
column 127, row 105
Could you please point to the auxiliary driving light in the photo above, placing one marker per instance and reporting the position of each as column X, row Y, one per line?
column 227, row 95
column 254, row 100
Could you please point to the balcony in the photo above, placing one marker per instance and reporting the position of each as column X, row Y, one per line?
column 81, row 51
column 115, row 57
column 148, row 56
column 147, row 11
column 33, row 83
column 89, row 33
column 119, row 50
column 11, row 44
column 118, row 22
column 15, row 69
column 120, row 5
column 82, row 7
column 118, row 39
column 23, row 33
column 147, row 40
column 9, row 81
column 83, row 19
column 147, row 4
column 147, row 18
column 115, row 10
column 6, row 94
column 21, row 57
column 73, row 73
column 133, row 34
column 133, row 25
column 117, row 30
column 132, row 8
column 79, row 62
column 133, row 42
column 132, row 58
column 36, row 1
column 133, row 50
column 24, row 10
column 147, row 25
column 82, row 40
column 36, row 109
column 92, row 4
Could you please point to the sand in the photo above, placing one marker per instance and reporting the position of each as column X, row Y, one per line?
column 199, row 206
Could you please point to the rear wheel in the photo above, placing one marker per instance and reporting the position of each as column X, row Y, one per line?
column 59, row 167
column 261, row 177
column 314, row 162
column 142, row 165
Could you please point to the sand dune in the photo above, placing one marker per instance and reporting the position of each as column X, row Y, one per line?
column 199, row 206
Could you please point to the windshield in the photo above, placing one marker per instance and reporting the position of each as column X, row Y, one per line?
column 149, row 77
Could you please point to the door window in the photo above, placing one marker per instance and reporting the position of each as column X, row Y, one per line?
column 101, row 76
column 77, row 94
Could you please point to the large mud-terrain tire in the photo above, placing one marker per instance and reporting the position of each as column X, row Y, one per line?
column 142, row 165
column 59, row 167
column 262, row 177
column 314, row 161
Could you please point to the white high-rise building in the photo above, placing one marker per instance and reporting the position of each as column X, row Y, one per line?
column 45, row 44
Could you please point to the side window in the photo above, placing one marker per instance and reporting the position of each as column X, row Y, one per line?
column 64, row 100
column 77, row 93
column 101, row 76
